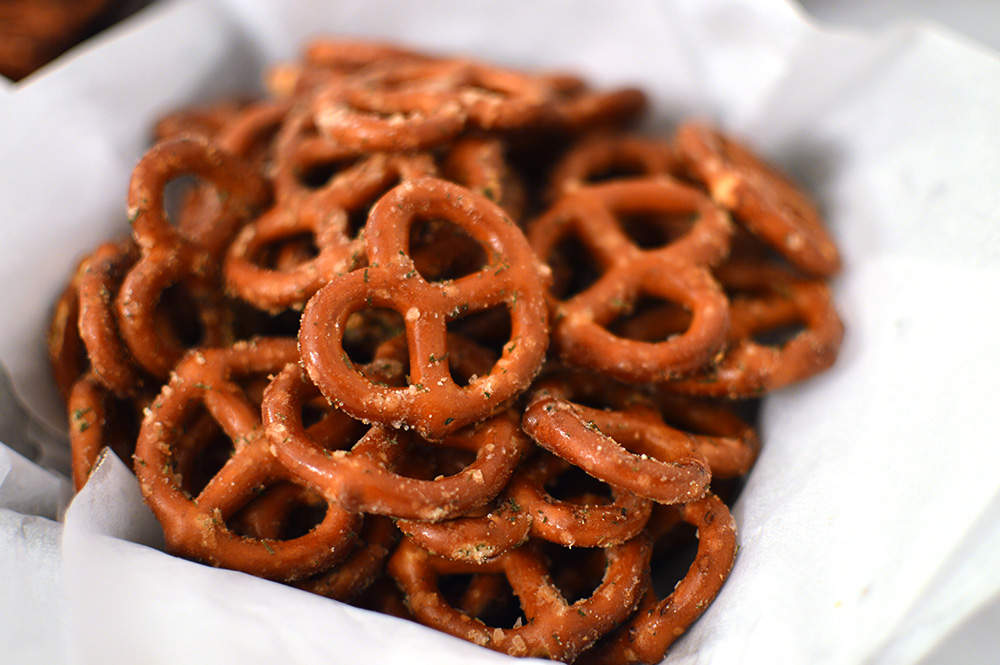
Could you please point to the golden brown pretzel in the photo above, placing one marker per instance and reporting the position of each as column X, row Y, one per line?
column 554, row 628
column 664, row 468
column 362, row 479
column 769, row 298
column 433, row 403
column 195, row 519
column 659, row 622
column 674, row 272
column 323, row 215
column 760, row 197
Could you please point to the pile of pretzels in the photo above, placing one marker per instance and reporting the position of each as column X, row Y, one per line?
column 449, row 341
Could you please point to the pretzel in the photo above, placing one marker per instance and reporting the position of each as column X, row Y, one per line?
column 666, row 469
column 325, row 215
column 362, row 480
column 196, row 525
column 479, row 163
column 352, row 576
column 554, row 628
column 605, row 156
column 34, row 32
column 769, row 298
column 729, row 443
column 674, row 272
column 67, row 354
column 433, row 403
column 168, row 258
column 99, row 419
column 659, row 622
column 761, row 198
column 110, row 360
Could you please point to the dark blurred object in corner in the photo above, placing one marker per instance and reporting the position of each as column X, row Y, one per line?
column 34, row 32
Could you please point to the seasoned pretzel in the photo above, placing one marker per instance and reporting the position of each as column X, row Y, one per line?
column 659, row 622
column 665, row 469
column 554, row 628
column 168, row 258
column 760, row 197
column 433, row 403
column 352, row 576
column 479, row 163
column 605, row 156
column 325, row 216
column 728, row 442
column 100, row 278
column 768, row 298
column 67, row 354
column 674, row 272
column 99, row 419
column 196, row 526
column 362, row 479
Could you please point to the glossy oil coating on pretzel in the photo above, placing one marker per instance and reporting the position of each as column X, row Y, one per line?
column 432, row 403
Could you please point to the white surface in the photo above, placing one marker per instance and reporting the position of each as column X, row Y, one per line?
column 867, row 528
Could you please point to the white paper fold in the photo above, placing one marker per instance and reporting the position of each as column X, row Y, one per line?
column 868, row 529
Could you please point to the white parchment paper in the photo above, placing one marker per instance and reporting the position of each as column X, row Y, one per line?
column 868, row 529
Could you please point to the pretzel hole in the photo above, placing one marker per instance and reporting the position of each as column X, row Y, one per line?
column 177, row 316
column 655, row 230
column 427, row 462
column 489, row 329
column 200, row 451
column 574, row 485
column 574, row 267
column 620, row 169
column 318, row 174
column 673, row 555
column 282, row 511
column 576, row 571
column 289, row 253
column 444, row 251
column 484, row 596
column 367, row 329
column 651, row 320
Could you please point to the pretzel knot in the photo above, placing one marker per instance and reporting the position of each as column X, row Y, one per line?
column 196, row 521
column 671, row 269
column 433, row 403
column 363, row 479
column 554, row 628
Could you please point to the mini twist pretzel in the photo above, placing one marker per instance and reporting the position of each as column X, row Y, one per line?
column 110, row 359
column 99, row 419
column 196, row 526
column 433, row 403
column 674, row 272
column 362, row 479
column 526, row 509
column 325, row 216
column 554, row 628
column 67, row 353
column 603, row 156
column 658, row 623
column 729, row 443
column 768, row 298
column 665, row 469
column 168, row 258
column 765, row 201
